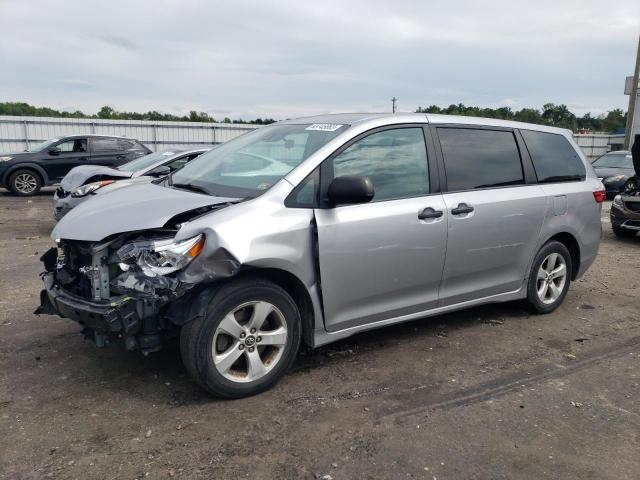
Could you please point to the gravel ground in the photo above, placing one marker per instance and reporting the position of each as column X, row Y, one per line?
column 489, row 392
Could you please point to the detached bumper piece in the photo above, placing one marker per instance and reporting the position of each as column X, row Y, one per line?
column 123, row 319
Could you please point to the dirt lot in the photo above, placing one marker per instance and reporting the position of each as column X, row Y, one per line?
column 490, row 392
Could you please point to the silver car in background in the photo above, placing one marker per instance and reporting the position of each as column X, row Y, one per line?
column 312, row 230
column 85, row 180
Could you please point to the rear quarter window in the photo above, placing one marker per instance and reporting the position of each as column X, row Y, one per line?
column 105, row 144
column 554, row 158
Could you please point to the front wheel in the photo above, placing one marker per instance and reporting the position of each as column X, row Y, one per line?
column 247, row 340
column 25, row 182
column 549, row 278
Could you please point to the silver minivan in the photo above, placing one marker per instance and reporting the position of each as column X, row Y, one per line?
column 312, row 230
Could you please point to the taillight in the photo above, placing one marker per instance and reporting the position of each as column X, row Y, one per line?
column 599, row 196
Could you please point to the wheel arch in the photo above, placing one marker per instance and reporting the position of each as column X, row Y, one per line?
column 298, row 291
column 569, row 241
column 193, row 305
column 26, row 166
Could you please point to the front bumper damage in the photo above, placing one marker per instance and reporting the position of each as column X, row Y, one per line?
column 127, row 319
column 136, row 313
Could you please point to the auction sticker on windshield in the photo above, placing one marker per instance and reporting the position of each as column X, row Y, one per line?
column 324, row 127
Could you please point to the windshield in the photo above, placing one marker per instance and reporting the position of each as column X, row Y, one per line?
column 614, row 160
column 248, row 165
column 145, row 161
column 38, row 146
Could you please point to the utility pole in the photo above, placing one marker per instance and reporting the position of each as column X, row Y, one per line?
column 633, row 114
column 393, row 104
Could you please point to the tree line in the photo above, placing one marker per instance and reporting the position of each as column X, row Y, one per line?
column 550, row 114
column 21, row 109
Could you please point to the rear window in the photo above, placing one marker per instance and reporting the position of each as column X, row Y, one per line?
column 105, row 145
column 554, row 159
column 475, row 158
column 614, row 160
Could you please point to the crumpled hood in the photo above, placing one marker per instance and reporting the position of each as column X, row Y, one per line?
column 79, row 175
column 136, row 207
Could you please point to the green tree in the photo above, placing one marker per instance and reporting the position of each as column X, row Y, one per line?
column 106, row 112
column 614, row 120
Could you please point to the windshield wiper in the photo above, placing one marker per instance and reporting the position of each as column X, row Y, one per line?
column 190, row 186
column 561, row 178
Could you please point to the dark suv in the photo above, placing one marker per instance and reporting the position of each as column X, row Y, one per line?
column 46, row 163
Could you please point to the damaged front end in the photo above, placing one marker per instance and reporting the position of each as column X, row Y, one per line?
column 118, row 289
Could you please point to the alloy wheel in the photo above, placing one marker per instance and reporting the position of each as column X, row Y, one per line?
column 26, row 183
column 551, row 278
column 249, row 341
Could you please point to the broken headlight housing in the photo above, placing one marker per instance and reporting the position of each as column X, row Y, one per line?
column 85, row 190
column 161, row 257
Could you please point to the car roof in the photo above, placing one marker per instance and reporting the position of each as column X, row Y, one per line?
column 94, row 135
column 379, row 118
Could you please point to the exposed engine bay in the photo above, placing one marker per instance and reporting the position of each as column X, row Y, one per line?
column 119, row 287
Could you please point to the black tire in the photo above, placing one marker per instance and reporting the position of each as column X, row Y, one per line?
column 623, row 232
column 533, row 300
column 20, row 178
column 197, row 337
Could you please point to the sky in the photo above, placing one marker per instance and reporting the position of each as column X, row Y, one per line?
column 289, row 58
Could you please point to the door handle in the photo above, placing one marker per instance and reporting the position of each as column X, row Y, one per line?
column 428, row 213
column 461, row 209
column 120, row 157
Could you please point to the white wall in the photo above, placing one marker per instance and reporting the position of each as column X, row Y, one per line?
column 595, row 145
column 16, row 133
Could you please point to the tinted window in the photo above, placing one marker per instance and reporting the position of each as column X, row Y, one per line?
column 480, row 158
column 138, row 146
column 395, row 161
column 553, row 157
column 105, row 145
column 126, row 144
column 73, row 146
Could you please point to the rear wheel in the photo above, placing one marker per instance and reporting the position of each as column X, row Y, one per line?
column 549, row 278
column 246, row 342
column 623, row 232
column 25, row 182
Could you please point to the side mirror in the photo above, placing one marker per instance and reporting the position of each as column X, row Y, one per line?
column 55, row 151
column 159, row 171
column 350, row 190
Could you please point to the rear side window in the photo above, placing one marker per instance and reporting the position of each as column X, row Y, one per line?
column 475, row 158
column 554, row 159
column 126, row 144
column 138, row 146
column 105, row 145
column 395, row 161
